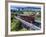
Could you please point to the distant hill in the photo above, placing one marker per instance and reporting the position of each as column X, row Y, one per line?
column 34, row 9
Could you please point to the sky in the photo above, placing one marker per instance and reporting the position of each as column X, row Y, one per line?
column 28, row 7
column 13, row 6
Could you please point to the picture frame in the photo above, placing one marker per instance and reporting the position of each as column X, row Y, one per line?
column 28, row 5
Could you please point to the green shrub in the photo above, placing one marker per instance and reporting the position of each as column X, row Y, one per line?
column 16, row 25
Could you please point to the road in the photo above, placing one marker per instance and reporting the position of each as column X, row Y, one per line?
column 28, row 25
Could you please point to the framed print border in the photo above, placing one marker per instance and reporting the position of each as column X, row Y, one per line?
column 6, row 17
